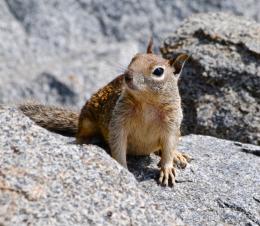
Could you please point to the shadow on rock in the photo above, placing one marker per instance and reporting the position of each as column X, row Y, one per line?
column 143, row 168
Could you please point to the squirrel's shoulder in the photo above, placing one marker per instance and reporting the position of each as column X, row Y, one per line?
column 104, row 100
column 106, row 94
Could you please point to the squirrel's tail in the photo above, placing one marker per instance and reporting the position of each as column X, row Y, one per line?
column 55, row 119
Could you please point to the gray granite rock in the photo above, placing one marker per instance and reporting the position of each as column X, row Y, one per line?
column 78, row 41
column 220, row 84
column 79, row 73
column 45, row 179
column 221, row 186
column 66, row 23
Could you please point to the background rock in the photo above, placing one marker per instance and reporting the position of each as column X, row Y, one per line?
column 86, row 43
column 65, row 24
column 45, row 179
column 82, row 72
column 220, row 84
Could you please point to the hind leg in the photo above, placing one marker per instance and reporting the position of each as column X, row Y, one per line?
column 87, row 131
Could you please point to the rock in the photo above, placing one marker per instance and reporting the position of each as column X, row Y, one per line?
column 45, row 179
column 49, row 86
column 65, row 24
column 220, row 83
column 82, row 73
column 221, row 185
column 84, row 43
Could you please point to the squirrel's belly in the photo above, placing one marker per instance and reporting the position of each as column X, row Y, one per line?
column 141, row 149
column 142, row 144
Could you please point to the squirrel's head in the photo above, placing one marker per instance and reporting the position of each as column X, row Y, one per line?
column 149, row 73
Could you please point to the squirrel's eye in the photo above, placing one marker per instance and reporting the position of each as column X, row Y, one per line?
column 158, row 71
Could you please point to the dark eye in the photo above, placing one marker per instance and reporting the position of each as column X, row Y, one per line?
column 158, row 71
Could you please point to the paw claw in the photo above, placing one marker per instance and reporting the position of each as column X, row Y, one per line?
column 161, row 177
column 167, row 174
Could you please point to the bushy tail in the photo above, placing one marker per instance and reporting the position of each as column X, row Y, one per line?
column 55, row 119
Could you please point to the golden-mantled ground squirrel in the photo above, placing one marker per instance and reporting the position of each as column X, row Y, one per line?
column 138, row 113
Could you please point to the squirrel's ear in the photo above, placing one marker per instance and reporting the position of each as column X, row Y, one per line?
column 150, row 46
column 179, row 62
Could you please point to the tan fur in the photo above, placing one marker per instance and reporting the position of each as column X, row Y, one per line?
column 136, row 118
column 55, row 119
column 138, row 113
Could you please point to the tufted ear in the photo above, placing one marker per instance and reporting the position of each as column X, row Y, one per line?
column 178, row 63
column 150, row 46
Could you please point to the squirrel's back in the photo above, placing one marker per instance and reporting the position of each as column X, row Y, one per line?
column 66, row 122
column 100, row 106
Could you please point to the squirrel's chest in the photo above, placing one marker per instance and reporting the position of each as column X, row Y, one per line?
column 150, row 115
column 146, row 127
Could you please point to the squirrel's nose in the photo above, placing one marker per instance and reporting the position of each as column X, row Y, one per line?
column 128, row 77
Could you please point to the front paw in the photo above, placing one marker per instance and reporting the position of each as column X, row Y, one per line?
column 181, row 160
column 167, row 174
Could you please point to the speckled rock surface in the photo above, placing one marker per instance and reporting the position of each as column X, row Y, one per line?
column 220, row 84
column 45, row 179
column 221, row 186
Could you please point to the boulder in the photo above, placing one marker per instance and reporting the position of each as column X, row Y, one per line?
column 45, row 179
column 220, row 83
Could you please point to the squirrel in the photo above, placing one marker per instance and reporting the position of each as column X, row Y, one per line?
column 138, row 113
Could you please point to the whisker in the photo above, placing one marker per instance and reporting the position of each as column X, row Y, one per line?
column 117, row 66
